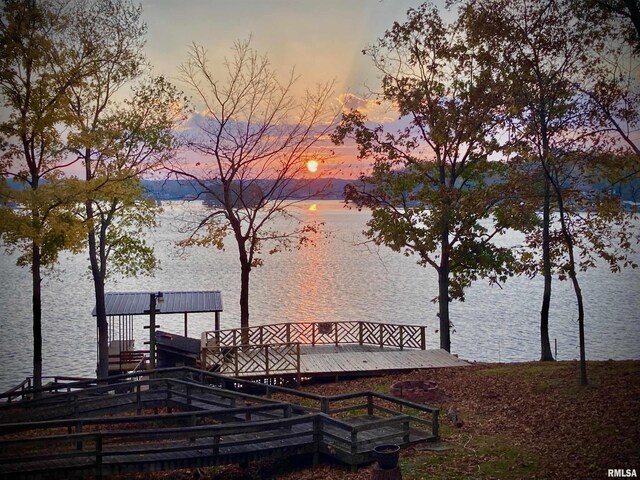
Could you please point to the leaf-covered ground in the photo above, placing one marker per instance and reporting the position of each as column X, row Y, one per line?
column 521, row 421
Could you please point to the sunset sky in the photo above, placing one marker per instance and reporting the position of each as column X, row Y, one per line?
column 323, row 40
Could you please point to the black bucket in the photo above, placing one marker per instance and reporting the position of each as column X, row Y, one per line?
column 387, row 456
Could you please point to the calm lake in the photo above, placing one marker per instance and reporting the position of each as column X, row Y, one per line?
column 340, row 278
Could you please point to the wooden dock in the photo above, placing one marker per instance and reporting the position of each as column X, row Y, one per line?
column 320, row 349
column 366, row 359
column 79, row 429
column 171, row 418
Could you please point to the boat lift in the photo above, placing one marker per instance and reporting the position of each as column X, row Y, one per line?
column 122, row 307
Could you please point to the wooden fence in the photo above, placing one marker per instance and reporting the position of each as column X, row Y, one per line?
column 325, row 333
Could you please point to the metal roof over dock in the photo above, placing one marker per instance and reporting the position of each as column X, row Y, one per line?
column 137, row 303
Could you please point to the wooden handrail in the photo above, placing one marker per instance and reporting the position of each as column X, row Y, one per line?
column 324, row 333
column 261, row 359
column 173, row 433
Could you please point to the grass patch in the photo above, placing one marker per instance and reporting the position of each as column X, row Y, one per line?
column 477, row 457
column 503, row 460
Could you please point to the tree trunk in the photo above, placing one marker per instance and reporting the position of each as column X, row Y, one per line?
column 576, row 285
column 36, row 278
column 583, row 358
column 102, row 369
column 244, row 301
column 443, row 294
column 98, row 270
column 546, row 354
column 98, row 273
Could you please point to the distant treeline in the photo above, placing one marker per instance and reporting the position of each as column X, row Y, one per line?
column 333, row 189
column 329, row 188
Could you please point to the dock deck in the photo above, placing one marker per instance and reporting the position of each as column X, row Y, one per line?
column 321, row 349
column 365, row 359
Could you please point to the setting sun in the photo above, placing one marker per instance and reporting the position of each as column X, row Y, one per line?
column 312, row 166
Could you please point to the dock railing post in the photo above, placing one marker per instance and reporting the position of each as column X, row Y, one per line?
column 317, row 437
column 193, row 422
column 99, row 452
column 360, row 328
column 381, row 333
column 401, row 337
column 324, row 405
column 354, row 441
column 435, row 427
column 335, row 331
column 79, row 430
column 423, row 342
column 299, row 377
column 406, row 429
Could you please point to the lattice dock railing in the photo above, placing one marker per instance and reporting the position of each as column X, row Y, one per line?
column 275, row 349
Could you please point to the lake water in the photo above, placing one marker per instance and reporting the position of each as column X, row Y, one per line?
column 341, row 278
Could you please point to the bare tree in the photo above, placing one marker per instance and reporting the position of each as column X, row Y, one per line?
column 254, row 139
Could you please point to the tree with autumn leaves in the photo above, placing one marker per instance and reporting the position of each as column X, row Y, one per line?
column 515, row 81
column 571, row 107
column 432, row 189
column 63, row 64
column 119, row 140
column 39, row 62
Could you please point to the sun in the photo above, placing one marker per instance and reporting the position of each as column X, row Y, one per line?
column 312, row 166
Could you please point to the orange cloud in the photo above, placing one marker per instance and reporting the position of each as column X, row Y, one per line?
column 376, row 111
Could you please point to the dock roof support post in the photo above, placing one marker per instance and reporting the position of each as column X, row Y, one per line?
column 185, row 325
column 152, row 329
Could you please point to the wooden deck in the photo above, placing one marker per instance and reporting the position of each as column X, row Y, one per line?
column 367, row 359
column 78, row 429
column 320, row 349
